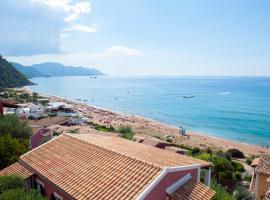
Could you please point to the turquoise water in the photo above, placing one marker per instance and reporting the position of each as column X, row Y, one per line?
column 235, row 108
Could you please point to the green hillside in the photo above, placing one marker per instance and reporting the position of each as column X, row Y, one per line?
column 11, row 77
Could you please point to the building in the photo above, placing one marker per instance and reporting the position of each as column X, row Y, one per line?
column 260, row 183
column 31, row 110
column 42, row 132
column 7, row 103
column 90, row 166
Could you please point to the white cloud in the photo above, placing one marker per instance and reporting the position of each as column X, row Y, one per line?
column 81, row 28
column 119, row 52
column 109, row 54
column 74, row 11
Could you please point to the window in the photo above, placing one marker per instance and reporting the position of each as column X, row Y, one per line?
column 40, row 187
column 55, row 196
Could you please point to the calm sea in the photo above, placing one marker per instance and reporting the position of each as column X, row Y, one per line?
column 236, row 108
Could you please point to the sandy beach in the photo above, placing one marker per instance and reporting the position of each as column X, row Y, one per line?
column 153, row 128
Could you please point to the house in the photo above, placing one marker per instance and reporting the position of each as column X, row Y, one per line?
column 90, row 166
column 260, row 183
column 31, row 110
column 62, row 109
column 42, row 131
column 7, row 103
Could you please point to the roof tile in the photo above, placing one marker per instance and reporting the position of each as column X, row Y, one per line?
column 192, row 190
column 16, row 169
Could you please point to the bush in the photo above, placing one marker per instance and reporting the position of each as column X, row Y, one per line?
column 235, row 153
column 221, row 193
column 126, row 132
column 247, row 178
column 102, row 127
column 249, row 160
column 239, row 167
column 242, row 193
column 10, row 182
column 228, row 156
column 20, row 194
column 209, row 150
column 196, row 151
column 221, row 167
column 10, row 124
column 11, row 149
column 238, row 176
column 205, row 156
column 125, row 129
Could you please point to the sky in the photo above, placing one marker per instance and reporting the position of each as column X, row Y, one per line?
column 140, row 37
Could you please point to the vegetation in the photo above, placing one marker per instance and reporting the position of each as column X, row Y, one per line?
column 11, row 77
column 29, row 72
column 10, row 124
column 76, row 130
column 14, row 138
column 11, row 187
column 10, row 182
column 24, row 97
column 10, row 150
column 102, row 127
column 126, row 132
column 221, row 193
column 241, row 193
column 235, row 153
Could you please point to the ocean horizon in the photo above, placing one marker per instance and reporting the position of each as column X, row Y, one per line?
column 234, row 108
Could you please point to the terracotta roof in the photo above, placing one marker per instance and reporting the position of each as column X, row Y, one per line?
column 45, row 122
column 192, row 190
column 16, row 169
column 85, row 170
column 89, row 166
column 255, row 162
column 264, row 165
column 10, row 103
column 155, row 156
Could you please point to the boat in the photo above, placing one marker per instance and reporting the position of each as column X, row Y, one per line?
column 186, row 96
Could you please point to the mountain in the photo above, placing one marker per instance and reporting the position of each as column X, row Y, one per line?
column 10, row 77
column 29, row 72
column 55, row 69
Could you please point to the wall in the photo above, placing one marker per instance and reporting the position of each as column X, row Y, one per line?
column 263, row 185
column 37, row 137
column 49, row 189
column 159, row 192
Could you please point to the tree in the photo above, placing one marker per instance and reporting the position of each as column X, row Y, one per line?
column 12, row 187
column 221, row 193
column 20, row 194
column 10, row 182
column 222, row 166
column 10, row 150
column 10, row 124
column 235, row 153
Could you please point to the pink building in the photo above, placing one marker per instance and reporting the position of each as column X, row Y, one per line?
column 89, row 166
column 42, row 133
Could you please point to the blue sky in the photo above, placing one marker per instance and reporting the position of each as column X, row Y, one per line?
column 140, row 37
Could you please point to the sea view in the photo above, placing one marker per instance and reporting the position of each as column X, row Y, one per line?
column 234, row 108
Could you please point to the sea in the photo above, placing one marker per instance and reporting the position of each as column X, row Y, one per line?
column 234, row 108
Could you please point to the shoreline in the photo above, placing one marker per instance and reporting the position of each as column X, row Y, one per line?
column 151, row 127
